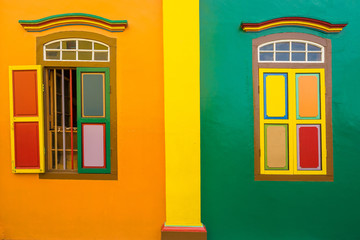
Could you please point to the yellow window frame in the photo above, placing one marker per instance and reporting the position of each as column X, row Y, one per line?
column 292, row 122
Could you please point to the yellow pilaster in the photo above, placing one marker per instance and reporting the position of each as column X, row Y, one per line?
column 182, row 112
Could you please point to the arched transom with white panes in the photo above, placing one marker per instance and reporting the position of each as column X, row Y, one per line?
column 84, row 50
column 291, row 51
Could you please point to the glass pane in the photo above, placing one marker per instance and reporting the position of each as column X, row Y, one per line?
column 266, row 56
column 93, row 95
column 267, row 47
column 55, row 45
column 298, row 56
column 313, row 48
column 53, row 55
column 314, row 56
column 298, row 46
column 93, row 145
column 69, row 45
column 71, row 55
column 282, row 56
column 98, row 46
column 85, row 45
column 84, row 55
column 282, row 46
column 101, row 56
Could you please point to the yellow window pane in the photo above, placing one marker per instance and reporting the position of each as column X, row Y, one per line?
column 71, row 55
column 98, row 46
column 55, row 45
column 69, row 44
column 54, row 55
column 84, row 55
column 103, row 56
column 85, row 45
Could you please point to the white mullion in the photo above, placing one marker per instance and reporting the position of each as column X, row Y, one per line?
column 76, row 48
column 92, row 51
column 61, row 50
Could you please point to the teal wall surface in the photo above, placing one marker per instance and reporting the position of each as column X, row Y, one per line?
column 234, row 206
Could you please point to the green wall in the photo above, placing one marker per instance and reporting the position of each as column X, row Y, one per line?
column 234, row 206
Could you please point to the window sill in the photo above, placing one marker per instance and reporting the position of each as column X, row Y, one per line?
column 78, row 176
column 302, row 178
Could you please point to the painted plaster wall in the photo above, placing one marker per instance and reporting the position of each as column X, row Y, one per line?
column 133, row 207
column 234, row 206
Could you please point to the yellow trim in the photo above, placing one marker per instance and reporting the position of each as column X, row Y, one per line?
column 292, row 23
column 70, row 22
column 39, row 119
column 182, row 113
column 292, row 121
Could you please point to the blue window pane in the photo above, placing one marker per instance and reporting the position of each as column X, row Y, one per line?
column 282, row 56
column 298, row 56
column 314, row 56
column 313, row 48
column 298, row 46
column 283, row 46
column 267, row 47
column 266, row 56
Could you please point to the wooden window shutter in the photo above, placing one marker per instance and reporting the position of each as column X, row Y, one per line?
column 93, row 120
column 26, row 119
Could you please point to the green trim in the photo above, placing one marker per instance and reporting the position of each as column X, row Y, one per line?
column 297, row 95
column 106, row 120
column 286, row 149
column 72, row 15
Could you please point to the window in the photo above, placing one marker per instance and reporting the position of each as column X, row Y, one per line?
column 76, row 50
column 62, row 116
column 291, row 51
column 78, row 119
column 292, row 108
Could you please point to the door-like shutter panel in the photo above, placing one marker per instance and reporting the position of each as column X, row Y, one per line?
column 93, row 120
column 26, row 119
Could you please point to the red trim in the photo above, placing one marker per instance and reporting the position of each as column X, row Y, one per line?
column 304, row 19
column 182, row 229
column 82, row 143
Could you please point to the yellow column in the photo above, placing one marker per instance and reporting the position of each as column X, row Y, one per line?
column 182, row 112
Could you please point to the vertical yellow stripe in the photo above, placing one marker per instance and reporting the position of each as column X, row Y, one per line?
column 182, row 112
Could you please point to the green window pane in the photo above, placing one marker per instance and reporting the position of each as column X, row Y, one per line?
column 53, row 55
column 85, row 45
column 98, row 46
column 55, row 45
column 101, row 56
column 93, row 95
column 84, row 55
column 68, row 55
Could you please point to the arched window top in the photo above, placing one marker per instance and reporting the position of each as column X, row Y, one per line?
column 299, row 51
column 76, row 49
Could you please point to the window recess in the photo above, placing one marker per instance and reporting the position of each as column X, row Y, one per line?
column 62, row 119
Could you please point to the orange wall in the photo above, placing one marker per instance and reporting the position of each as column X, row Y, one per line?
column 133, row 207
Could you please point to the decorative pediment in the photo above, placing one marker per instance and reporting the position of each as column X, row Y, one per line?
column 293, row 22
column 69, row 19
